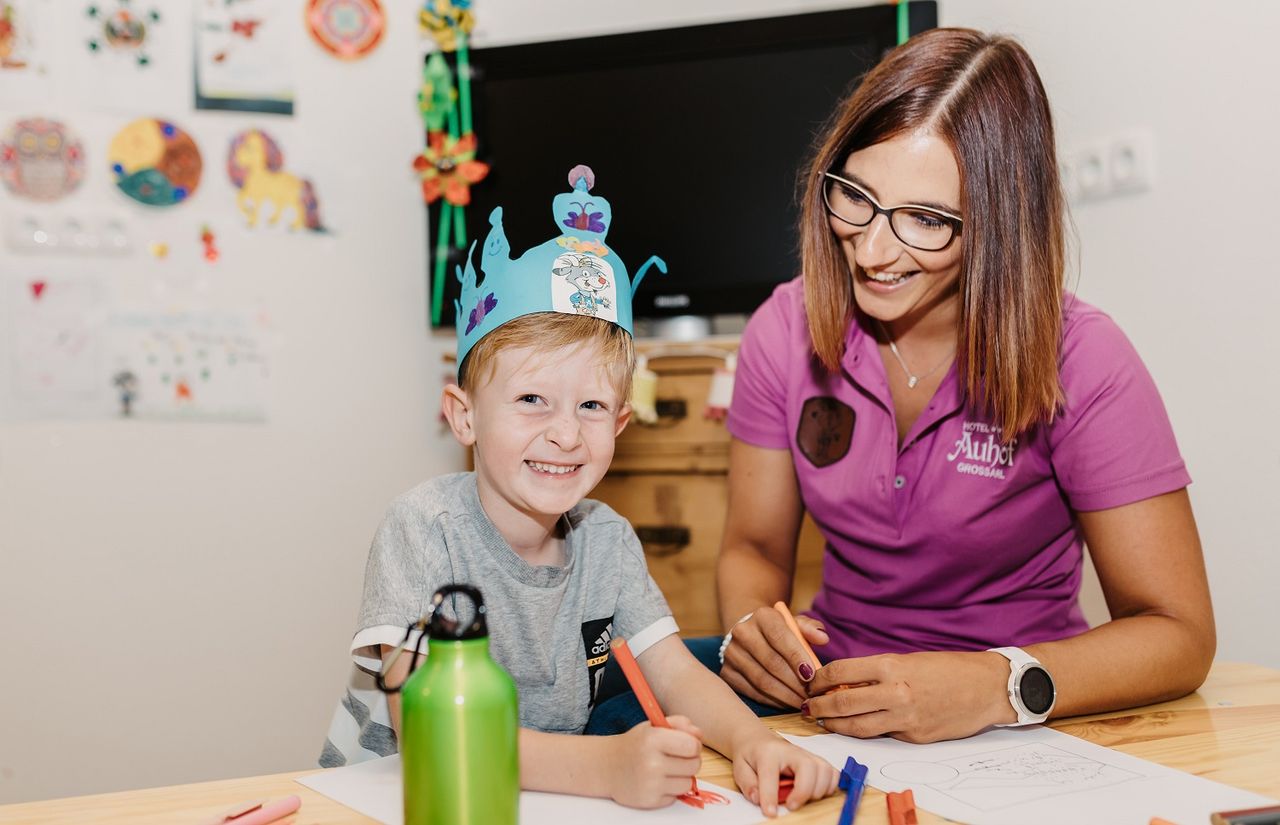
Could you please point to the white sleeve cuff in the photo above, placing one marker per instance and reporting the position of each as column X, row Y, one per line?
column 651, row 635
column 366, row 650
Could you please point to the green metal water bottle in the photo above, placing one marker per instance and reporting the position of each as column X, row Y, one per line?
column 459, row 724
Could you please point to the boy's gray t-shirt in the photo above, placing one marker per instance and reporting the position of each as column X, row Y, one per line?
column 549, row 627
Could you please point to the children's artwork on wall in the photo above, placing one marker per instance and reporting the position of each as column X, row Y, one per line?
column 242, row 59
column 125, row 55
column 18, row 35
column 209, row 244
column 347, row 29
column 122, row 30
column 448, row 166
column 57, row 343
column 40, row 159
column 67, row 350
column 255, row 164
column 444, row 20
column 26, row 45
column 203, row 365
column 155, row 162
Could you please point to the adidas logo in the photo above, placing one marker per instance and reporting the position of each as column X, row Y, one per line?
column 601, row 644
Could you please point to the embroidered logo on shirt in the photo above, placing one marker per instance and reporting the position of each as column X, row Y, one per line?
column 980, row 451
column 825, row 430
column 596, row 635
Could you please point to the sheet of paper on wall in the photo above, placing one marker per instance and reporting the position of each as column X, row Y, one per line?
column 1016, row 776
column 197, row 365
column 54, row 337
column 373, row 789
column 26, row 52
column 244, row 54
column 125, row 56
column 68, row 350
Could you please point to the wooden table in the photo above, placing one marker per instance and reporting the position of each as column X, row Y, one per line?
column 1228, row 731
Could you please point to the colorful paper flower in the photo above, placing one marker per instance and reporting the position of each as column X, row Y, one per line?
column 442, row 20
column 448, row 167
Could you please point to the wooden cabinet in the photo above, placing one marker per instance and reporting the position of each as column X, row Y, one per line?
column 669, row 480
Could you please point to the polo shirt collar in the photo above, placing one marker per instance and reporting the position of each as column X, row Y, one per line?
column 863, row 367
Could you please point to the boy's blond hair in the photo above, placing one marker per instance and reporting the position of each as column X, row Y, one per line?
column 615, row 351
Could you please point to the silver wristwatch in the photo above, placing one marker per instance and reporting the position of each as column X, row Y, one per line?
column 1031, row 690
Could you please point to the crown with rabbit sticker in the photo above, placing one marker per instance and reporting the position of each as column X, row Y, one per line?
column 575, row 273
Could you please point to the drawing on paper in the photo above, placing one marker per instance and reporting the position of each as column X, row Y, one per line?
column 190, row 365
column 242, row 55
column 1001, row 778
column 57, row 340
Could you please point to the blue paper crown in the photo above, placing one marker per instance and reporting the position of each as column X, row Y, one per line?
column 575, row 273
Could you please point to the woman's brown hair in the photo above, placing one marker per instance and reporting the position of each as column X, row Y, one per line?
column 983, row 96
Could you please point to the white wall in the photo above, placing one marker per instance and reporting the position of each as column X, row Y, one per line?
column 1187, row 268
column 175, row 598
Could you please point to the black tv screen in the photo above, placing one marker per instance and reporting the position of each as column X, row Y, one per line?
column 696, row 136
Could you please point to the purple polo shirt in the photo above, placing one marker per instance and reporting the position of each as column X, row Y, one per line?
column 951, row 542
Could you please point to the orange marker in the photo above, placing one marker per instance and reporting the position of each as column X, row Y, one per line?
column 640, row 686
column 902, row 808
column 794, row 627
column 1155, row 820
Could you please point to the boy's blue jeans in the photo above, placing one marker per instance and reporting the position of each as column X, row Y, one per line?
column 619, row 711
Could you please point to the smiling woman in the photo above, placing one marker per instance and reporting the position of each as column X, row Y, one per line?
column 958, row 426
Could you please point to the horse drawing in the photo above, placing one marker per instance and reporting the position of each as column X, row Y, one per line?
column 256, row 166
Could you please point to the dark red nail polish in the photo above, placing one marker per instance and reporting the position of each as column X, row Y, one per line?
column 804, row 708
column 806, row 672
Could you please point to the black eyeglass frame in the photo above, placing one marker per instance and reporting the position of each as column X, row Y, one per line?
column 956, row 224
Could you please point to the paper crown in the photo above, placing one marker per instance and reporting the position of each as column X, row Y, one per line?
column 575, row 273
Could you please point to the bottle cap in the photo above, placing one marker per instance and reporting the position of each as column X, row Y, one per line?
column 445, row 628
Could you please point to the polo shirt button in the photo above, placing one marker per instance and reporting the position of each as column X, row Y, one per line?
column 899, row 482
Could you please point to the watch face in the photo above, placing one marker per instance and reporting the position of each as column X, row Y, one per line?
column 1036, row 690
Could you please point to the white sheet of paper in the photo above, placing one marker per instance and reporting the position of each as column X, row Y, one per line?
column 373, row 789
column 1016, row 776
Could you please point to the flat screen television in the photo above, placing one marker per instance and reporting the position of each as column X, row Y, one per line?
column 696, row 136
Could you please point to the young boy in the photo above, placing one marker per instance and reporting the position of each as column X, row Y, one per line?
column 546, row 360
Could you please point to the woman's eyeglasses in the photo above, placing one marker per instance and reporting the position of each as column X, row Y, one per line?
column 919, row 227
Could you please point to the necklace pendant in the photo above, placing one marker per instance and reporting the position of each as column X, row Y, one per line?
column 912, row 381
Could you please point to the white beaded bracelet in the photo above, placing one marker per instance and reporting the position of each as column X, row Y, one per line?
column 728, row 637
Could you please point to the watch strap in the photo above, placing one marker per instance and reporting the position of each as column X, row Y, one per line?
column 1019, row 661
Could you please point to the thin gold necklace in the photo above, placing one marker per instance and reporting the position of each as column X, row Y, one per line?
column 912, row 378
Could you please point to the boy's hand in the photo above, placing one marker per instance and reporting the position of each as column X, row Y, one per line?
column 652, row 766
column 763, row 759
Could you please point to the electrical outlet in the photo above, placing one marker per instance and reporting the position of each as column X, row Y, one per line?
column 1093, row 181
column 1107, row 168
column 1129, row 163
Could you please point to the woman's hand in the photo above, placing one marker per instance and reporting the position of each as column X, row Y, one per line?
column 765, row 662
column 652, row 766
column 915, row 697
column 763, row 759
